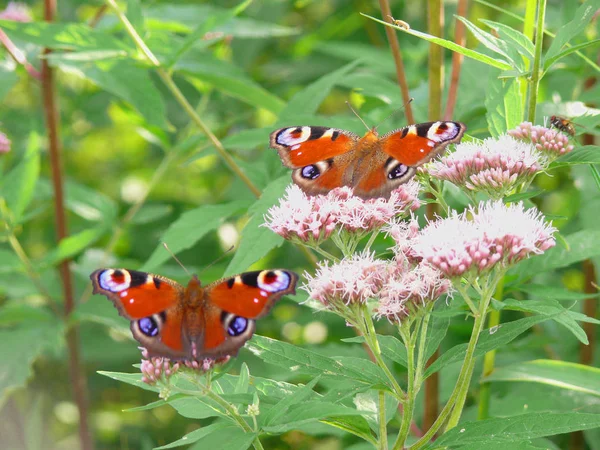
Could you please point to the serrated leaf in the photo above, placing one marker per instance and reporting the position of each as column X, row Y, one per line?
column 489, row 339
column 300, row 395
column 190, row 228
column 563, row 374
column 566, row 52
column 196, row 435
column 582, row 245
column 310, row 98
column 390, row 346
column 553, row 292
column 521, row 42
column 124, row 78
column 256, row 240
column 588, row 154
column 503, row 104
column 449, row 45
column 18, row 185
column 517, row 428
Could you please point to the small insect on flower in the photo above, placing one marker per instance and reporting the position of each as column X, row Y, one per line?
column 549, row 141
column 562, row 124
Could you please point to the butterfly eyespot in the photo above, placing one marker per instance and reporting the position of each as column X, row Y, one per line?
column 398, row 172
column 237, row 326
column 148, row 326
column 311, row 172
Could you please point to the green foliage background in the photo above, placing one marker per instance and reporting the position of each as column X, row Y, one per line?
column 274, row 63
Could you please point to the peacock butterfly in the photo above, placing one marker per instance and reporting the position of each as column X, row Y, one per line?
column 193, row 322
column 326, row 158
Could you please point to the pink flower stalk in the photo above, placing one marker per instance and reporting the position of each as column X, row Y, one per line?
column 4, row 143
column 17, row 12
column 495, row 166
column 312, row 219
column 409, row 289
column 352, row 280
column 496, row 234
column 549, row 141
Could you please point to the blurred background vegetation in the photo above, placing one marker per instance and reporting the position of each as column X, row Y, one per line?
column 124, row 136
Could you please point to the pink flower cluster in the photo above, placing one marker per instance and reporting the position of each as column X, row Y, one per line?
column 312, row 219
column 155, row 369
column 17, row 12
column 476, row 240
column 4, row 143
column 410, row 287
column 361, row 277
column 495, row 166
column 353, row 280
column 549, row 141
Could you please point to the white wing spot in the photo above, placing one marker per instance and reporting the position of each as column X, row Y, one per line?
column 131, row 301
column 124, row 293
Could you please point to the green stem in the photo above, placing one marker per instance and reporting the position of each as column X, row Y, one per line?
column 373, row 343
column 528, row 28
column 422, row 340
column 489, row 358
column 168, row 80
column 537, row 60
column 371, row 239
column 464, row 379
column 383, row 444
column 325, row 253
column 463, row 292
column 409, row 406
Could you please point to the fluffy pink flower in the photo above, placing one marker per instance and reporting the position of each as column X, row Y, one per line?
column 406, row 289
column 495, row 166
column 352, row 280
column 496, row 233
column 312, row 219
column 549, row 141
column 4, row 143
column 17, row 12
column 403, row 233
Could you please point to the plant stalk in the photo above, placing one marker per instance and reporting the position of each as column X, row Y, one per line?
column 457, row 60
column 411, row 391
column 537, row 61
column 383, row 444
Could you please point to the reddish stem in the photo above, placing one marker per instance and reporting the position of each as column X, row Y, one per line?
column 78, row 380
column 18, row 56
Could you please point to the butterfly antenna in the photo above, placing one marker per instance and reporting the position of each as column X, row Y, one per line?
column 395, row 111
column 356, row 114
column 218, row 259
column 175, row 258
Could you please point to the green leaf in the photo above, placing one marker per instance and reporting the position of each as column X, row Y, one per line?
column 566, row 375
column 12, row 314
column 67, row 36
column 197, row 407
column 549, row 62
column 521, row 42
column 151, row 213
column 89, row 204
column 450, row 46
column 72, row 246
column 516, row 428
column 243, row 381
column 588, row 154
column 135, row 379
column 357, row 425
column 20, row 347
column 135, row 15
column 438, row 327
column 227, row 78
column 566, row 32
column 582, row 245
column 555, row 311
column 256, row 240
column 503, row 104
column 281, row 408
column 299, row 360
column 18, row 186
column 310, row 98
column 190, row 228
column 490, row 339
column 553, row 292
column 307, row 412
column 124, row 78
column 494, row 44
column 522, row 196
column 8, row 78
column 196, row 435
column 390, row 346
column 227, row 438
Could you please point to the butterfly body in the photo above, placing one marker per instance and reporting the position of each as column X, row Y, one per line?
column 326, row 158
column 562, row 124
column 192, row 322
